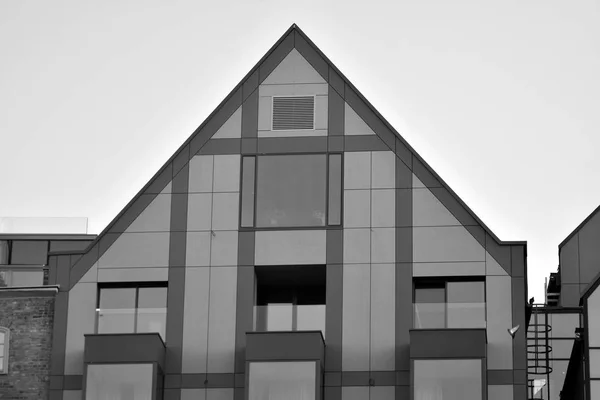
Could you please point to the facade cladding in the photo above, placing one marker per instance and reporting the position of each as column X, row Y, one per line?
column 294, row 247
column 578, row 298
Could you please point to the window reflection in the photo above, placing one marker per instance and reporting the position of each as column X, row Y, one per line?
column 119, row 382
column 282, row 380
column 448, row 380
column 291, row 190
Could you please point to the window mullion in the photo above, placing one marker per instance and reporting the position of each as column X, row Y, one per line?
column 135, row 310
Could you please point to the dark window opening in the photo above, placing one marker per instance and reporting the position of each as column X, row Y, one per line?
column 290, row 298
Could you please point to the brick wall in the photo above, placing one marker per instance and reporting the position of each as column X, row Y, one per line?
column 29, row 316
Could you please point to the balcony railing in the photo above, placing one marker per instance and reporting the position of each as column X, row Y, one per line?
column 131, row 320
column 289, row 317
column 448, row 315
column 21, row 275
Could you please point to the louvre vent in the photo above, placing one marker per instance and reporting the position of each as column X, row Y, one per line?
column 290, row 113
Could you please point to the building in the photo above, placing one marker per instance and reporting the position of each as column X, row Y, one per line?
column 27, row 304
column 574, row 292
column 295, row 246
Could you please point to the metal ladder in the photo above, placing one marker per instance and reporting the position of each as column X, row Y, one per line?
column 538, row 350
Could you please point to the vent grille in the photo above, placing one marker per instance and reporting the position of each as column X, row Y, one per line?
column 290, row 113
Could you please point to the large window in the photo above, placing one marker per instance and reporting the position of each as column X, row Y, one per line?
column 442, row 304
column 282, row 380
column 119, row 382
column 22, row 263
column 290, row 298
column 448, row 379
column 291, row 190
column 132, row 309
column 4, row 338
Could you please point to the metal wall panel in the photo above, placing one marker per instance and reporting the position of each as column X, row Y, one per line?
column 149, row 249
column 157, row 274
column 293, row 69
column 201, row 174
column 445, row 243
column 195, row 320
column 81, row 320
column 156, row 217
column 383, row 317
column 429, row 211
column 500, row 392
column 383, row 170
column 232, row 128
column 290, row 247
column 221, row 319
column 354, row 125
column 357, row 208
column 356, row 174
column 356, row 317
column 449, row 269
column 499, row 319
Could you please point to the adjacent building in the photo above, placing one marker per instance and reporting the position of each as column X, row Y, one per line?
column 295, row 246
column 573, row 294
column 27, row 302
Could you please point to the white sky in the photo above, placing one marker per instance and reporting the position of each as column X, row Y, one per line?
column 500, row 97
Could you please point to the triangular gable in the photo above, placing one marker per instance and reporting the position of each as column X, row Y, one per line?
column 232, row 128
column 353, row 124
column 224, row 121
column 294, row 69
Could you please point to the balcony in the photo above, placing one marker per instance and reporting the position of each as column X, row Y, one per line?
column 285, row 365
column 449, row 315
column 132, row 320
column 289, row 318
column 21, row 275
column 124, row 366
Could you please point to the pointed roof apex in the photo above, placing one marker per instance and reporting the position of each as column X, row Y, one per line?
column 340, row 86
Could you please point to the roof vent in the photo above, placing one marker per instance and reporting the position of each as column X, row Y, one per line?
column 292, row 113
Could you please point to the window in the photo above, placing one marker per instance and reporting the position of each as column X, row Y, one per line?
column 29, row 252
column 291, row 191
column 282, row 380
column 119, row 382
column 4, row 251
column 134, row 308
column 4, row 339
column 293, row 112
column 290, row 299
column 13, row 276
column 442, row 304
column 448, row 379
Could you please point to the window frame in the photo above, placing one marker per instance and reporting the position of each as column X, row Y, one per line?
column 442, row 282
column 328, row 194
column 4, row 355
column 483, row 364
column 293, row 95
column 130, row 285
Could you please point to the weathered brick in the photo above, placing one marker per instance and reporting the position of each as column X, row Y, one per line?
column 30, row 320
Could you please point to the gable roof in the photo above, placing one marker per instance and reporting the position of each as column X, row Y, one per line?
column 579, row 227
column 294, row 38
